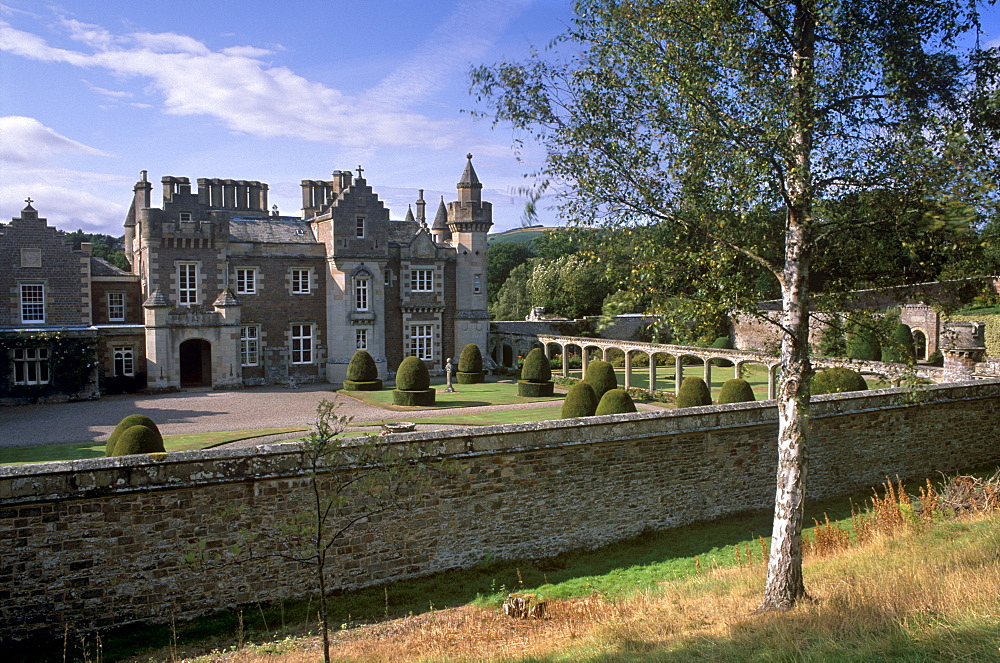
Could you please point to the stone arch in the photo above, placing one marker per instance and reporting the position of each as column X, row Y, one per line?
column 195, row 360
column 920, row 343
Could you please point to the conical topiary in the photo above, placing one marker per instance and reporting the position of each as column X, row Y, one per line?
column 835, row 380
column 413, row 383
column 736, row 391
column 601, row 376
column 615, row 401
column 900, row 347
column 362, row 373
column 125, row 424
column 581, row 401
column 693, row 392
column 536, row 375
column 470, row 365
column 138, row 440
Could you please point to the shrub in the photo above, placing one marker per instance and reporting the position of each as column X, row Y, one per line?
column 693, row 392
column 736, row 391
column 413, row 384
column 722, row 343
column 125, row 424
column 836, row 380
column 470, row 365
column 831, row 342
column 362, row 374
column 862, row 343
column 581, row 401
column 615, row 401
column 536, row 367
column 412, row 375
column 601, row 376
column 900, row 347
column 936, row 358
column 138, row 440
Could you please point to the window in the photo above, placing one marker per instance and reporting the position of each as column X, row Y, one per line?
column 187, row 283
column 422, row 280
column 477, row 284
column 422, row 341
column 388, row 278
column 116, row 306
column 361, row 339
column 361, row 294
column 186, row 216
column 302, row 344
column 300, row 281
column 246, row 281
column 249, row 336
column 31, row 365
column 124, row 365
column 360, row 227
column 33, row 302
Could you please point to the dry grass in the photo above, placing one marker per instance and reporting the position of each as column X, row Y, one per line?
column 917, row 586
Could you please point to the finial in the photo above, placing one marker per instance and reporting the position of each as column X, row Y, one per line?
column 360, row 170
column 142, row 175
column 28, row 200
column 274, row 210
column 469, row 156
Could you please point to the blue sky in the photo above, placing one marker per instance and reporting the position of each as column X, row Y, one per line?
column 93, row 91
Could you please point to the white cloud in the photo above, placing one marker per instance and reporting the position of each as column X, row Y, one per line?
column 66, row 198
column 237, row 88
column 25, row 140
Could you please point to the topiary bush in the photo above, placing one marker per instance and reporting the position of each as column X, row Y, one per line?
column 736, row 391
column 601, row 376
column 581, row 401
column 862, row 341
column 362, row 373
column 125, row 424
column 536, row 375
column 722, row 343
column 615, row 401
column 900, row 347
column 470, row 365
column 138, row 440
column 693, row 392
column 413, row 383
column 836, row 380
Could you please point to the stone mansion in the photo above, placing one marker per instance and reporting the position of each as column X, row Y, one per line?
column 224, row 292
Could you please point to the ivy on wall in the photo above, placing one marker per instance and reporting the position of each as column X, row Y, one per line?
column 992, row 330
column 72, row 360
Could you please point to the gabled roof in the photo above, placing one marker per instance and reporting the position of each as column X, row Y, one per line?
column 401, row 233
column 101, row 267
column 271, row 230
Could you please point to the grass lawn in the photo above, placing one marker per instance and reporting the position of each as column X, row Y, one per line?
column 465, row 395
column 180, row 442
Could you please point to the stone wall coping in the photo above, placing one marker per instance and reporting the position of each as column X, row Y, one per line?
column 21, row 484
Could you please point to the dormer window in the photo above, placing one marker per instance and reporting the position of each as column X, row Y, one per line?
column 187, row 216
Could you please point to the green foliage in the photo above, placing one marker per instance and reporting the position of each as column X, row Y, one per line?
column 693, row 392
column 555, row 243
column 936, row 358
column 362, row 367
column 512, row 301
column 412, row 375
column 835, row 380
column 581, row 401
column 72, row 360
column 722, row 343
column 126, row 423
column 832, row 342
column 615, row 401
column 501, row 259
column 471, row 359
column 536, row 367
column 414, row 397
column 601, row 376
column 736, row 391
column 138, row 440
column 900, row 347
column 862, row 339
column 101, row 246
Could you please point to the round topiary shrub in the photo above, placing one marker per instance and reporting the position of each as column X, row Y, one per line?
column 581, row 401
column 693, row 392
column 836, row 380
column 900, row 347
column 413, row 383
column 125, row 424
column 138, row 440
column 362, row 373
column 722, row 343
column 536, row 375
column 615, row 401
column 470, row 365
column 736, row 391
column 601, row 376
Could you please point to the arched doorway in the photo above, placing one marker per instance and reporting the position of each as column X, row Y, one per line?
column 920, row 345
column 196, row 363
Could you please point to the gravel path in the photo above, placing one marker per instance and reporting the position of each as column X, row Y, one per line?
column 200, row 411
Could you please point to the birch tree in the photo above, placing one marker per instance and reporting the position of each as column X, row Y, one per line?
column 716, row 137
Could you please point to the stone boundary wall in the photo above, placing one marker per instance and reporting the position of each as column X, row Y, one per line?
column 93, row 543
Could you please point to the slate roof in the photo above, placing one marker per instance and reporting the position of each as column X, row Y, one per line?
column 402, row 232
column 441, row 218
column 270, row 230
column 101, row 267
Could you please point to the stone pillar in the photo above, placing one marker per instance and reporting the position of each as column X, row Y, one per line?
column 736, row 369
column 964, row 345
column 772, row 380
column 565, row 360
column 708, row 373
column 584, row 361
column 678, row 374
column 628, row 369
column 229, row 194
column 652, row 371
